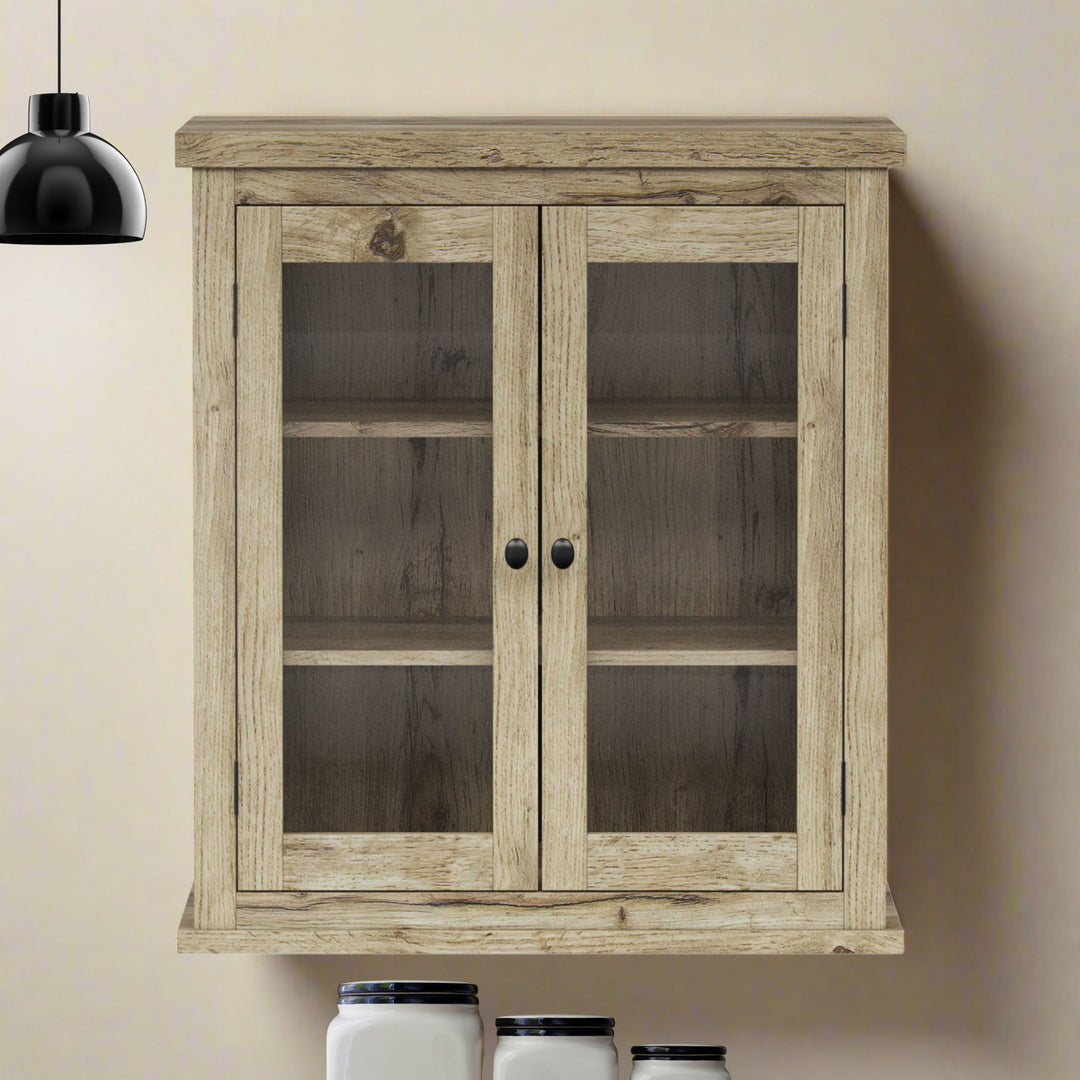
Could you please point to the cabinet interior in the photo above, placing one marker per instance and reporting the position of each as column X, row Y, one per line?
column 387, row 528
column 387, row 460
column 394, row 749
column 692, row 527
column 690, row 537
column 396, row 349
column 698, row 749
column 695, row 532
column 702, row 331
column 386, row 331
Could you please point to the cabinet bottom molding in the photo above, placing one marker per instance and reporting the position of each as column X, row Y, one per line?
column 541, row 922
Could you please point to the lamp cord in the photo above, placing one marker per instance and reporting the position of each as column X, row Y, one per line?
column 58, row 14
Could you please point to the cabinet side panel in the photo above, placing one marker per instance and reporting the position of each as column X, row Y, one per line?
column 259, row 545
column 866, row 509
column 563, row 465
column 515, row 597
column 821, row 546
column 214, row 638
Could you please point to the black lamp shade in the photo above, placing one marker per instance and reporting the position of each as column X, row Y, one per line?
column 59, row 184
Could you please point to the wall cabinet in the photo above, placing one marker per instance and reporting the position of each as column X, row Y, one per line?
column 541, row 498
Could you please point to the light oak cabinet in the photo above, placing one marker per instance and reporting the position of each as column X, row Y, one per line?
column 540, row 530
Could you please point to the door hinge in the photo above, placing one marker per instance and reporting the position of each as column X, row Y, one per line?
column 843, row 788
column 235, row 308
column 236, row 788
column 844, row 315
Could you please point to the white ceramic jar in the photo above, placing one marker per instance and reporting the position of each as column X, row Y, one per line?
column 679, row 1061
column 405, row 1031
column 555, row 1048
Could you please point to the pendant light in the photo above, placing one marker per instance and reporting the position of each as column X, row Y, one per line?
column 59, row 184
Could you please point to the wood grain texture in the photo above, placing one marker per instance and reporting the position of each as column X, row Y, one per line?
column 388, row 332
column 541, row 187
column 258, row 545
column 653, row 418
column 424, row 860
column 866, row 512
column 692, row 860
column 515, row 514
column 564, row 515
column 373, row 750
column 350, row 419
column 692, row 527
column 837, row 142
column 388, row 528
column 708, row 332
column 693, row 234
column 387, row 642
column 702, row 750
column 691, row 641
column 214, row 639
column 821, row 546
column 619, row 912
column 405, row 234
column 433, row 941
column 329, row 936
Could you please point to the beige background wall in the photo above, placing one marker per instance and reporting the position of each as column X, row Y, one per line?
column 96, row 522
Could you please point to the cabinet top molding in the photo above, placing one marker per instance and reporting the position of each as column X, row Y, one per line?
column 789, row 142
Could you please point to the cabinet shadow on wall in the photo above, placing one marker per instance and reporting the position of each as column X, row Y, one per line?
column 948, row 853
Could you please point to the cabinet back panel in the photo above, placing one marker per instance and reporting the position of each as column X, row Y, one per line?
column 417, row 332
column 692, row 749
column 702, row 527
column 387, row 749
column 390, row 528
column 726, row 331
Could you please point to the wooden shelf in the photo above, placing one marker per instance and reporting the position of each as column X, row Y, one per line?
column 345, row 419
column 388, row 642
column 666, row 418
column 542, row 922
column 692, row 641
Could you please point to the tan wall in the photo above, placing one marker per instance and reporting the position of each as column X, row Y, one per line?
column 94, row 567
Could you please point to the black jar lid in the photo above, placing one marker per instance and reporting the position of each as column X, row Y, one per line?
column 679, row 1052
column 393, row 992
column 555, row 1025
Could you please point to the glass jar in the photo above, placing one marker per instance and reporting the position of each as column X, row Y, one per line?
column 679, row 1061
column 555, row 1048
column 405, row 1031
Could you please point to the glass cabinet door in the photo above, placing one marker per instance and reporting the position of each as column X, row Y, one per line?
column 386, row 453
column 693, row 460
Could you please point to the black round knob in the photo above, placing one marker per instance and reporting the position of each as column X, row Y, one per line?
column 562, row 553
column 517, row 554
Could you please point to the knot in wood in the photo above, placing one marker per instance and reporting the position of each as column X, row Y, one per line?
column 388, row 240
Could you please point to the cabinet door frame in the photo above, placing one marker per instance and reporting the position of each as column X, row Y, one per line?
column 811, row 858
column 268, row 858
column 214, row 547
